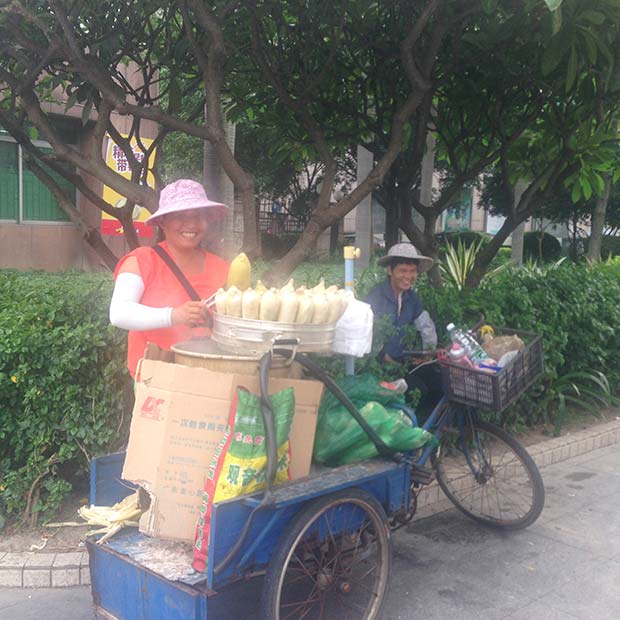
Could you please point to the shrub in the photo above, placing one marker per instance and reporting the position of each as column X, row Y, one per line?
column 467, row 238
column 541, row 246
column 576, row 308
column 64, row 389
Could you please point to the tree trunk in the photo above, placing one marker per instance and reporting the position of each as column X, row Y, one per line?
column 517, row 244
column 363, row 210
column 598, row 222
column 392, row 214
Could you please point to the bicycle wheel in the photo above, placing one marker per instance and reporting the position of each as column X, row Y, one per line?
column 334, row 561
column 490, row 477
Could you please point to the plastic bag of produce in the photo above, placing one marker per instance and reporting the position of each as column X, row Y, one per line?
column 353, row 333
column 340, row 439
column 240, row 461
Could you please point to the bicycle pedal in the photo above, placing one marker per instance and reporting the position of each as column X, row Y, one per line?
column 422, row 475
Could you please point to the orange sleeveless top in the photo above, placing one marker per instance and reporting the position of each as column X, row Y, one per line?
column 162, row 289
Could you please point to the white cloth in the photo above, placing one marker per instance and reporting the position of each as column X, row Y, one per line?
column 127, row 312
column 353, row 334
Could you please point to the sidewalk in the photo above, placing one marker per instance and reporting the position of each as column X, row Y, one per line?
column 57, row 570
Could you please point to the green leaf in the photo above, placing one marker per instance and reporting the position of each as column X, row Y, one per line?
column 556, row 21
column 589, row 41
column 598, row 182
column 576, row 193
column 604, row 49
column 70, row 101
column 586, row 188
column 86, row 110
column 594, row 17
column 553, row 54
column 489, row 6
column 571, row 71
column 553, row 5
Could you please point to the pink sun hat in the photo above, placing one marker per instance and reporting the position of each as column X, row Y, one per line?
column 183, row 195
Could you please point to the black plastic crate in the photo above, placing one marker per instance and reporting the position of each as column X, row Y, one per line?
column 495, row 391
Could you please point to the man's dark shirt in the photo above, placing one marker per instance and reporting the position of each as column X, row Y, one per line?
column 384, row 302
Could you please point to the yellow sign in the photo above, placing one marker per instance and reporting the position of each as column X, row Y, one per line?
column 116, row 159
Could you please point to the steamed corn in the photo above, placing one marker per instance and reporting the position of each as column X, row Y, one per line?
column 250, row 304
column 288, row 305
column 239, row 272
column 233, row 302
column 318, row 305
column 269, row 305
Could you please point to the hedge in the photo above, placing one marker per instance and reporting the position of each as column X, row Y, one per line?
column 65, row 395
column 64, row 391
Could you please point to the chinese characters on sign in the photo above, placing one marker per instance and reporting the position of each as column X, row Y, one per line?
column 116, row 159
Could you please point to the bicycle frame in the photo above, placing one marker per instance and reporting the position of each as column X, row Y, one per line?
column 446, row 415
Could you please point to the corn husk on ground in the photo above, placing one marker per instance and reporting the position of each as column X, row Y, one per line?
column 288, row 304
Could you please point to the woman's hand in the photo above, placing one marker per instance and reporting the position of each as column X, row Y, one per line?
column 190, row 313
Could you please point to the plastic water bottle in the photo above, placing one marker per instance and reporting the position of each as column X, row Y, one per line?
column 472, row 349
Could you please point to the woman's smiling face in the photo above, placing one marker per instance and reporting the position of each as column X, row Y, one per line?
column 185, row 229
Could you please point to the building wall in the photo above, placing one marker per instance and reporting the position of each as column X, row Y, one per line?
column 56, row 246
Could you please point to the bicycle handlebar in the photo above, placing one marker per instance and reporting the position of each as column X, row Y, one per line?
column 433, row 352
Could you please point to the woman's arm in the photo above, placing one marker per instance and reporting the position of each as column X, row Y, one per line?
column 127, row 312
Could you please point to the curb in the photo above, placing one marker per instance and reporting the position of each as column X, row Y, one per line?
column 60, row 570
column 44, row 570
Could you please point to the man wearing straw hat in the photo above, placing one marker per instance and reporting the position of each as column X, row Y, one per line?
column 396, row 299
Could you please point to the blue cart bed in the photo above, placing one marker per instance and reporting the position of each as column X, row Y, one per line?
column 127, row 573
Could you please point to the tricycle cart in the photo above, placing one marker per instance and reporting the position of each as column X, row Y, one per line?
column 320, row 547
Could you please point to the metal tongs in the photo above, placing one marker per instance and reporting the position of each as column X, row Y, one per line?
column 210, row 301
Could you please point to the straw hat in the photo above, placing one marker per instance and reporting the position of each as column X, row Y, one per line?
column 408, row 251
column 184, row 195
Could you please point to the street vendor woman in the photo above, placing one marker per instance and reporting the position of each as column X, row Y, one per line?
column 148, row 299
column 396, row 299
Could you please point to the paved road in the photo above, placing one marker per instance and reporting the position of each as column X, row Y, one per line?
column 564, row 567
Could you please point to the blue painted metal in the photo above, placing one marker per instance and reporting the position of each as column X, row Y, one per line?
column 106, row 485
column 388, row 482
column 127, row 590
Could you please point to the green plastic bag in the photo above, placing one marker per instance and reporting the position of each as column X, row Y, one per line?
column 340, row 439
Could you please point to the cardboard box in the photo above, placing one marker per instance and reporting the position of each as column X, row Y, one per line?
column 179, row 417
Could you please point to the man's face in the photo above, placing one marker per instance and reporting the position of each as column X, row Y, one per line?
column 402, row 276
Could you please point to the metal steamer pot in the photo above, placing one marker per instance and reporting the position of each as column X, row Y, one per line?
column 252, row 337
column 205, row 353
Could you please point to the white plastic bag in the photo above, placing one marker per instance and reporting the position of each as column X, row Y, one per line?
column 354, row 330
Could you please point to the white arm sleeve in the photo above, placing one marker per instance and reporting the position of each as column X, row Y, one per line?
column 424, row 324
column 127, row 312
